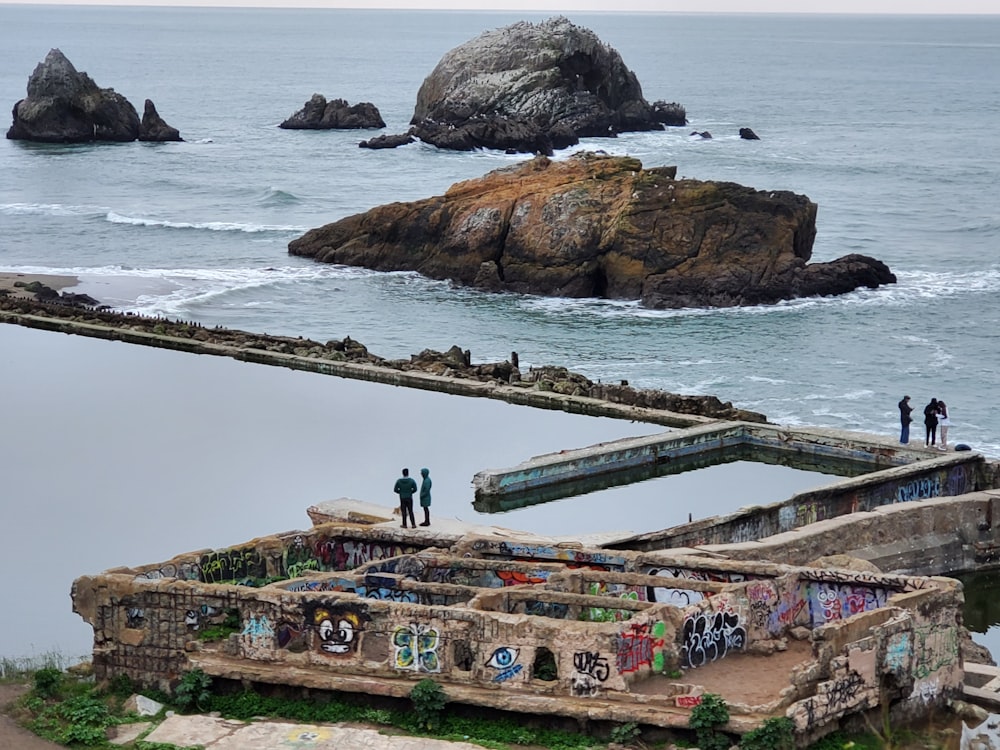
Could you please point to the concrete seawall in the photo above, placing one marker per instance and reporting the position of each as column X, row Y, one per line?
column 525, row 394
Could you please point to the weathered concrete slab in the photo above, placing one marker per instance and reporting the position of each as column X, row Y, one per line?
column 222, row 734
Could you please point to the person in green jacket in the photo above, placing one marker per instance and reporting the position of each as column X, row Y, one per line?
column 425, row 496
column 405, row 487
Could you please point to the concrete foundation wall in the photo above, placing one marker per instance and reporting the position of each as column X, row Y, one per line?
column 513, row 625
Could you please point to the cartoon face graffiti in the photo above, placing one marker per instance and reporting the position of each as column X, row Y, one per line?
column 337, row 628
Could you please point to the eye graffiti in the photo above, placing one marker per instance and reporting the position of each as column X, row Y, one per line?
column 337, row 627
column 504, row 660
column 416, row 647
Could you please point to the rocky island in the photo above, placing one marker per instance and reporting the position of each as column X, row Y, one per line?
column 336, row 114
column 532, row 88
column 64, row 105
column 601, row 226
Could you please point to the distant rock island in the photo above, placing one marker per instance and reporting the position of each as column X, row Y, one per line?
column 533, row 88
column 64, row 105
column 601, row 226
column 337, row 114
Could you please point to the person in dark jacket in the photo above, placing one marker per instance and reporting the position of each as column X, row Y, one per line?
column 405, row 487
column 425, row 496
column 904, row 419
column 931, row 422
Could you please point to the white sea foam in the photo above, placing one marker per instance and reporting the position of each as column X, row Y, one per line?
column 48, row 209
column 212, row 226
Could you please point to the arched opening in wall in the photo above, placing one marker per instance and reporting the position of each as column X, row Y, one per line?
column 544, row 667
column 461, row 655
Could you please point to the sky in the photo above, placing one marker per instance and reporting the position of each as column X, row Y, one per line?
column 582, row 6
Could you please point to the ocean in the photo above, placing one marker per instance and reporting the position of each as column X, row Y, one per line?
column 887, row 123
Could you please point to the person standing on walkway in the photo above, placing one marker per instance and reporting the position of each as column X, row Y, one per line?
column 405, row 487
column 931, row 422
column 944, row 422
column 904, row 419
column 425, row 496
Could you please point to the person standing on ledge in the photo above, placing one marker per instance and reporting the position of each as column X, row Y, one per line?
column 944, row 422
column 905, row 419
column 425, row 496
column 931, row 423
column 405, row 487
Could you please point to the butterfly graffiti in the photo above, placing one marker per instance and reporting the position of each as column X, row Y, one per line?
column 416, row 647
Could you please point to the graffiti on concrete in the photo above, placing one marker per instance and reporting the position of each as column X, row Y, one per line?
column 634, row 648
column 922, row 488
column 346, row 554
column 337, row 626
column 835, row 601
column 416, row 648
column 184, row 571
column 708, row 636
column 237, row 564
column 504, row 660
column 935, row 647
column 590, row 669
column 898, row 653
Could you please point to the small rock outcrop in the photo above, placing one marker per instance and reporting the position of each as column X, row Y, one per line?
column 532, row 88
column 387, row 141
column 153, row 128
column 64, row 105
column 601, row 226
column 336, row 114
column 748, row 135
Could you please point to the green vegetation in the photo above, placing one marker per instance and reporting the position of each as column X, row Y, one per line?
column 626, row 734
column 223, row 630
column 18, row 670
column 707, row 718
column 72, row 711
column 774, row 734
column 428, row 703
column 194, row 691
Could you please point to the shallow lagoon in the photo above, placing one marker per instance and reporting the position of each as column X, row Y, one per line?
column 116, row 454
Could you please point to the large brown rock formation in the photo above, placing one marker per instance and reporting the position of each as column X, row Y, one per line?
column 601, row 226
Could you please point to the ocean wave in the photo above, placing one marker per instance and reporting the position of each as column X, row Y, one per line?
column 48, row 209
column 276, row 197
column 211, row 226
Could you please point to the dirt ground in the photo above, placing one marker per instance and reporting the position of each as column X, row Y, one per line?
column 11, row 735
column 748, row 678
column 740, row 678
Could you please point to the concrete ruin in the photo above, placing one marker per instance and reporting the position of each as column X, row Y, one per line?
column 530, row 625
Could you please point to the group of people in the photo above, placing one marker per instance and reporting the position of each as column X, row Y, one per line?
column 935, row 416
column 406, row 488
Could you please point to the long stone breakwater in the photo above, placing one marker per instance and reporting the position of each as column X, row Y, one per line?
column 546, row 387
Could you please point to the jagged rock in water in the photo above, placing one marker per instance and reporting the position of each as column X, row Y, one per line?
column 601, row 226
column 337, row 114
column 66, row 106
column 387, row 141
column 670, row 113
column 526, row 86
column 748, row 135
column 153, row 127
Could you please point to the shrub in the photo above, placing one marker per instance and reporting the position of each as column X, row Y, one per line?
column 776, row 733
column 625, row 734
column 194, row 690
column 706, row 718
column 428, row 703
column 47, row 682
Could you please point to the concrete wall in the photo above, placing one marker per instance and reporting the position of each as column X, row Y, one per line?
column 521, row 626
column 945, row 476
